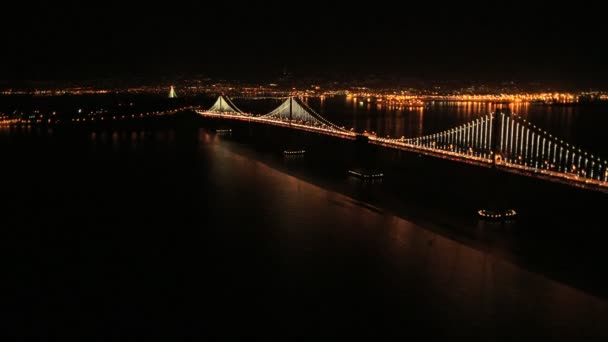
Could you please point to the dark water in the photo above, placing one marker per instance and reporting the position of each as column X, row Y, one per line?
column 581, row 125
column 130, row 233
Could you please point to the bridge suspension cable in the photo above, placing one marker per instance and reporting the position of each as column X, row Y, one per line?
column 512, row 141
column 294, row 109
column 223, row 104
column 523, row 144
column 470, row 139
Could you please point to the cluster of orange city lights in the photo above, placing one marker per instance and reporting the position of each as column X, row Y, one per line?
column 399, row 100
column 370, row 96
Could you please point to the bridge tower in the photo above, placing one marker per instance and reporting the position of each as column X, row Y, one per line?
column 293, row 148
column 290, row 109
column 496, row 120
column 496, row 208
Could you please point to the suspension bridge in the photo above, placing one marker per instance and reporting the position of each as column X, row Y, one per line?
column 292, row 113
column 505, row 141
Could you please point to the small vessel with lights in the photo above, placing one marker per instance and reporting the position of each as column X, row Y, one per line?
column 497, row 214
column 294, row 152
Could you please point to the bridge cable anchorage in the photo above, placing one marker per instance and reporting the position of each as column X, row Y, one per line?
column 294, row 110
column 224, row 105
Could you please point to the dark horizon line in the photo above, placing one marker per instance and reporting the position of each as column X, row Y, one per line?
column 378, row 80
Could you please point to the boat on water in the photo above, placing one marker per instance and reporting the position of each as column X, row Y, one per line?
column 497, row 214
column 366, row 174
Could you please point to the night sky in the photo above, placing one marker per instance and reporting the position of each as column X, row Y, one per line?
column 259, row 40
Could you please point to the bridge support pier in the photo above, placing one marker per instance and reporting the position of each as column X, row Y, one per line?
column 496, row 209
column 365, row 162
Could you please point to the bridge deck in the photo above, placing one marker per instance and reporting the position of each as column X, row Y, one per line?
column 321, row 130
column 530, row 171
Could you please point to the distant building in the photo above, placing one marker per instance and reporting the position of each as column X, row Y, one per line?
column 172, row 94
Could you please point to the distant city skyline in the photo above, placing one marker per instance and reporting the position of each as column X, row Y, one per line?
column 297, row 82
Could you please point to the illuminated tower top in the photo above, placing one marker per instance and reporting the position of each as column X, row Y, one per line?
column 172, row 93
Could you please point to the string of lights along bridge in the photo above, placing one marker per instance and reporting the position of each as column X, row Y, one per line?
column 502, row 140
